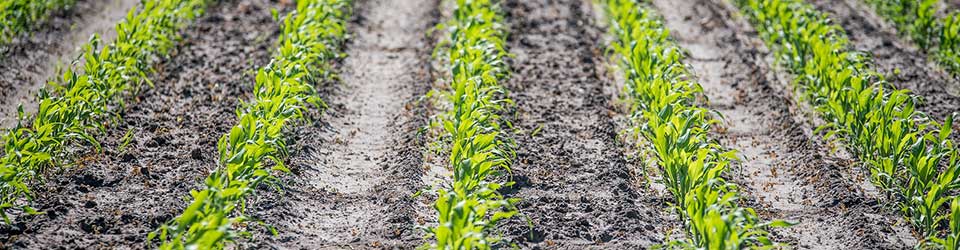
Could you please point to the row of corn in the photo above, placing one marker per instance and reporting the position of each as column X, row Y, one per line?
column 17, row 16
column 918, row 20
column 84, row 99
column 908, row 154
column 473, row 53
column 311, row 38
column 666, row 115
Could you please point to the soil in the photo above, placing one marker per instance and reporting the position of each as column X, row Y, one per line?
column 356, row 170
column 112, row 199
column 903, row 64
column 951, row 5
column 356, row 166
column 784, row 173
column 574, row 181
column 30, row 60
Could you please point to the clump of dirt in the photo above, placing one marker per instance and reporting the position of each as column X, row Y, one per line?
column 897, row 58
column 357, row 169
column 31, row 59
column 112, row 199
column 574, row 181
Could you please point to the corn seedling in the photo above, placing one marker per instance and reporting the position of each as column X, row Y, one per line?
column 17, row 16
column 917, row 20
column 949, row 52
column 471, row 206
column 666, row 115
column 80, row 102
column 310, row 40
column 908, row 154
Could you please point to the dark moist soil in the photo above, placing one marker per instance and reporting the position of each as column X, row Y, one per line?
column 31, row 59
column 950, row 6
column 114, row 198
column 919, row 73
column 786, row 173
column 572, row 178
column 355, row 171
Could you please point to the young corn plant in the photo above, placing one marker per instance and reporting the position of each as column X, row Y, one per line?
column 79, row 103
column 917, row 20
column 952, row 240
column 470, row 208
column 908, row 155
column 949, row 50
column 17, row 16
column 255, row 148
column 666, row 114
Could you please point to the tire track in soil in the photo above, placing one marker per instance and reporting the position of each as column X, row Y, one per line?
column 919, row 73
column 356, row 171
column 30, row 60
column 114, row 198
column 786, row 172
column 573, row 179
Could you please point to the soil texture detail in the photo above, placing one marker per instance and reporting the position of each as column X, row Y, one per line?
column 356, row 169
column 572, row 177
column 897, row 58
column 113, row 199
column 785, row 172
column 30, row 60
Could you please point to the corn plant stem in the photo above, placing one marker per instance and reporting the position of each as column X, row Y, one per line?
column 18, row 16
column 473, row 50
column 909, row 155
column 665, row 113
column 82, row 101
column 254, row 149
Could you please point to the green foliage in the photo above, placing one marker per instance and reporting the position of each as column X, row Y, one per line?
column 283, row 90
column 952, row 240
column 908, row 155
column 80, row 102
column 17, row 16
column 666, row 114
column 917, row 19
column 471, row 207
column 949, row 52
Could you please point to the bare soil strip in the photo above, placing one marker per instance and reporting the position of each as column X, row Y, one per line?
column 571, row 176
column 952, row 5
column 787, row 172
column 356, row 171
column 30, row 60
column 118, row 196
column 897, row 58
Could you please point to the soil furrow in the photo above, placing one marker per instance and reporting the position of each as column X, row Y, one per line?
column 572, row 177
column 904, row 65
column 29, row 61
column 357, row 169
column 786, row 172
column 114, row 198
